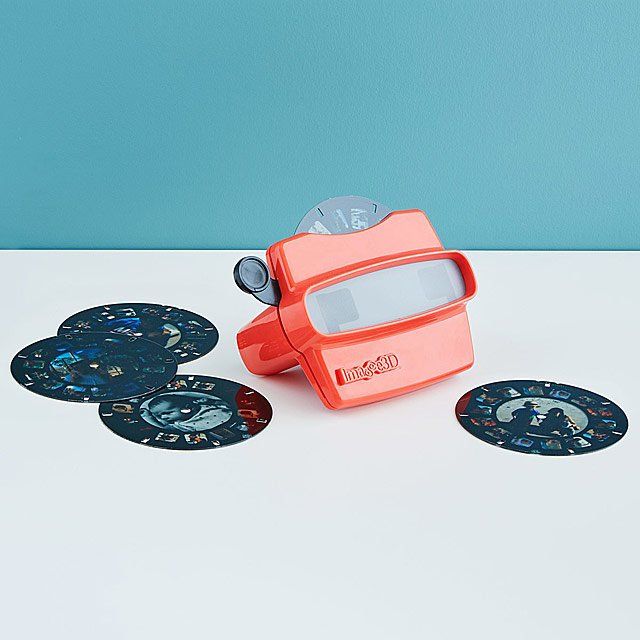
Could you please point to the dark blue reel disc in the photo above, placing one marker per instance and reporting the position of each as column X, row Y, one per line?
column 546, row 418
column 190, row 413
column 186, row 334
column 93, row 367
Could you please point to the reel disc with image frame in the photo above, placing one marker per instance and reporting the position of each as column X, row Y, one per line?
column 186, row 334
column 93, row 367
column 541, row 417
column 190, row 413
column 343, row 214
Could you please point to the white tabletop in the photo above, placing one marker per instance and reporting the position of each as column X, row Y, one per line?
column 382, row 522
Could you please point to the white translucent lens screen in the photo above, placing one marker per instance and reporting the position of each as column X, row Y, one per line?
column 385, row 295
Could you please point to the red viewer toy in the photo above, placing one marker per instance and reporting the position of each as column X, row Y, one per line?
column 368, row 315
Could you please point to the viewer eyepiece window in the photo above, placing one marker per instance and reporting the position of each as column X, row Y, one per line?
column 385, row 295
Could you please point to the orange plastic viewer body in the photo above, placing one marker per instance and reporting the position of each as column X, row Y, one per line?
column 363, row 365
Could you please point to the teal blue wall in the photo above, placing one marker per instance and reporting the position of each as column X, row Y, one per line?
column 218, row 124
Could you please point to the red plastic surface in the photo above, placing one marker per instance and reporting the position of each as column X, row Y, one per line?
column 363, row 365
